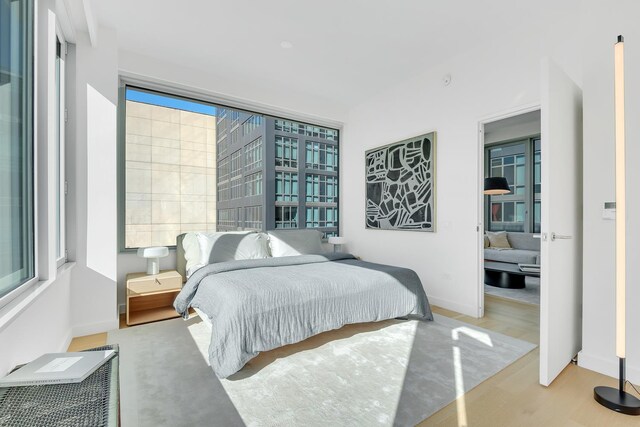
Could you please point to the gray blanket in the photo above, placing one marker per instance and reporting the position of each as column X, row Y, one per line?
column 259, row 305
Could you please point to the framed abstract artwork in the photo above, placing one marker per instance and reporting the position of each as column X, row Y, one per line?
column 401, row 185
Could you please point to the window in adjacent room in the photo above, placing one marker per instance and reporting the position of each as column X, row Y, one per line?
column 519, row 162
column 17, row 265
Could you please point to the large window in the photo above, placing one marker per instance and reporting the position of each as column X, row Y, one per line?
column 170, row 168
column 17, row 264
column 519, row 163
column 191, row 165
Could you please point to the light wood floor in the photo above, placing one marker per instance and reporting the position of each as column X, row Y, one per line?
column 512, row 397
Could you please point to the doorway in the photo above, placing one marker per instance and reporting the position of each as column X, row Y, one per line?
column 512, row 208
column 560, row 220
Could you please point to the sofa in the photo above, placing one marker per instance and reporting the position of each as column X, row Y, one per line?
column 525, row 250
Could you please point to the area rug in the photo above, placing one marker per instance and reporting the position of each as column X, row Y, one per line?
column 530, row 294
column 386, row 373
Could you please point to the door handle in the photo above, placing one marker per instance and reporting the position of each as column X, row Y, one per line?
column 537, row 236
column 555, row 236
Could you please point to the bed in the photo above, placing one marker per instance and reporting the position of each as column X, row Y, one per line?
column 256, row 305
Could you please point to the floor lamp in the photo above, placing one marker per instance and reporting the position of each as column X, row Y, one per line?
column 616, row 398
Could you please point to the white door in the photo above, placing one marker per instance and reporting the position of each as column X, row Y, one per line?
column 561, row 243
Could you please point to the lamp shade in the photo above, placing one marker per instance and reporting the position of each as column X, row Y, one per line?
column 496, row 185
column 335, row 240
column 153, row 255
column 153, row 252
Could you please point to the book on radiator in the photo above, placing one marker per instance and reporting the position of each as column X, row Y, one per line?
column 58, row 368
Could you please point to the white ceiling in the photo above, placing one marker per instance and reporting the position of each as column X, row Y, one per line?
column 343, row 50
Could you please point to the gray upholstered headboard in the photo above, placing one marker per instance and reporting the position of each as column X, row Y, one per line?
column 181, row 262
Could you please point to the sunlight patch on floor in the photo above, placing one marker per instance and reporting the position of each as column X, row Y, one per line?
column 479, row 336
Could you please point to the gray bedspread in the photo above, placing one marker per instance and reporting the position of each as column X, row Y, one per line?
column 258, row 305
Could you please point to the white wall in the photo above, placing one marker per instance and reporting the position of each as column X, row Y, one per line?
column 604, row 23
column 41, row 326
column 484, row 83
column 215, row 82
column 92, row 185
column 511, row 128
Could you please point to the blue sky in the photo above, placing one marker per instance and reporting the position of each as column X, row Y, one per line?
column 169, row 101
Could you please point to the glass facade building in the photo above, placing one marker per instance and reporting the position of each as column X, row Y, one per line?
column 288, row 171
column 191, row 165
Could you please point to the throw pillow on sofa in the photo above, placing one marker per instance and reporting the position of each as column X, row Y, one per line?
column 498, row 240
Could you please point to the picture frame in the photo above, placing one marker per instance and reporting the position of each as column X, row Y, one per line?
column 400, row 185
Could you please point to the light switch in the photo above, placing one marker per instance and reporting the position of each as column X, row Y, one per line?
column 609, row 210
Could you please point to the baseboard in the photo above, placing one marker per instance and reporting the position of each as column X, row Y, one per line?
column 95, row 328
column 67, row 341
column 469, row 310
column 607, row 366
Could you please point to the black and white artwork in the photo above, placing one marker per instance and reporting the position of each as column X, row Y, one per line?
column 400, row 179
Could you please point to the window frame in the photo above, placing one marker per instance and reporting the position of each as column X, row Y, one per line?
column 127, row 79
column 61, row 110
column 31, row 58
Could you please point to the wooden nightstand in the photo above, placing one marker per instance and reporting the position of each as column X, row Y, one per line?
column 150, row 297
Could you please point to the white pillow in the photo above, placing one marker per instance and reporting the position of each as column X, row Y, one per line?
column 191, row 253
column 295, row 242
column 230, row 246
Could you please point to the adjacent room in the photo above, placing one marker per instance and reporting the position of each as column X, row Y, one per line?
column 289, row 213
column 512, row 208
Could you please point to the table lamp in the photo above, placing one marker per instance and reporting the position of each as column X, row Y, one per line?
column 153, row 255
column 337, row 241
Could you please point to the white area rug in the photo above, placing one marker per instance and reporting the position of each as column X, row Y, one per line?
column 529, row 295
column 386, row 373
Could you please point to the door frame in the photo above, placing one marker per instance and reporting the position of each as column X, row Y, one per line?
column 516, row 111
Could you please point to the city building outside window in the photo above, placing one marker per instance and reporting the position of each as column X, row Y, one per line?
column 519, row 163
column 195, row 166
column 170, row 168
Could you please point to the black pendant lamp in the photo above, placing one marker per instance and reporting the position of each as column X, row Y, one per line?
column 496, row 186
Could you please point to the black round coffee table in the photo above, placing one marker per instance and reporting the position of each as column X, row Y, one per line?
column 505, row 275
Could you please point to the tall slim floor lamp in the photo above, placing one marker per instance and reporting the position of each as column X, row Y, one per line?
column 616, row 398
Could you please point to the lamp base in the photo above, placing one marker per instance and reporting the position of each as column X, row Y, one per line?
column 153, row 266
column 617, row 400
